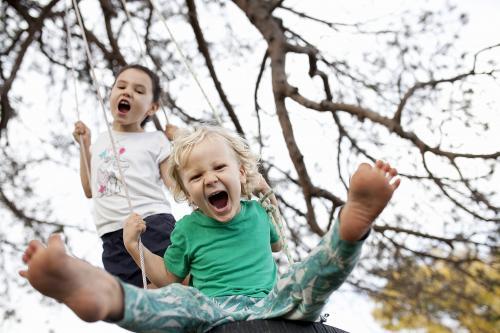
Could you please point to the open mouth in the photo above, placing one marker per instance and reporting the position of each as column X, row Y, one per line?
column 219, row 200
column 123, row 106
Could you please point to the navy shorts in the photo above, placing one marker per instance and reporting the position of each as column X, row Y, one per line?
column 156, row 238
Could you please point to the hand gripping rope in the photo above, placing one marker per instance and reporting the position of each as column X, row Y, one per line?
column 275, row 216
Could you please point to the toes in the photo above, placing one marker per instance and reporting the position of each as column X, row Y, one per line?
column 392, row 173
column 383, row 167
column 396, row 183
column 386, row 168
column 55, row 241
column 364, row 166
column 24, row 273
column 33, row 247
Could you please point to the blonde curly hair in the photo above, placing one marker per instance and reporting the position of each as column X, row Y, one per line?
column 184, row 143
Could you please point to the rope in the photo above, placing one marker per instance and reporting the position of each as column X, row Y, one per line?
column 111, row 137
column 73, row 75
column 186, row 62
column 275, row 216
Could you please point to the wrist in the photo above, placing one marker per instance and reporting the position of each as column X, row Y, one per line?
column 267, row 193
column 131, row 246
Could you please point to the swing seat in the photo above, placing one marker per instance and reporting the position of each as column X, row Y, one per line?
column 275, row 326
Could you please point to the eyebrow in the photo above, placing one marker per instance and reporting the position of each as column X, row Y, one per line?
column 137, row 85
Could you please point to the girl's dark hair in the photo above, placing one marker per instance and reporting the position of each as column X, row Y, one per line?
column 155, row 81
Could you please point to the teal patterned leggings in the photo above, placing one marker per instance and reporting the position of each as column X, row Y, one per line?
column 299, row 294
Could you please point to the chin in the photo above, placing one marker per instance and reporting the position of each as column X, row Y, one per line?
column 224, row 218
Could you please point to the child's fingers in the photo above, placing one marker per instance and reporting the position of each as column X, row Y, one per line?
column 140, row 225
column 136, row 221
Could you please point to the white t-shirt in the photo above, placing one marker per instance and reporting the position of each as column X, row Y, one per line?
column 140, row 154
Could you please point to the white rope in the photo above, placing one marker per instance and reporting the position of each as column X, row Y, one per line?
column 186, row 62
column 113, row 145
column 70, row 52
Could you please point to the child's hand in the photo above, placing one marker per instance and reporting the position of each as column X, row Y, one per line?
column 84, row 131
column 133, row 228
column 170, row 131
column 262, row 186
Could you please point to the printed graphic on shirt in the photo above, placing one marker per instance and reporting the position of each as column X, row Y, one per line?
column 109, row 181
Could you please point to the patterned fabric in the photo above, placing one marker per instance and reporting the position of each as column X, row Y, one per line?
column 299, row 294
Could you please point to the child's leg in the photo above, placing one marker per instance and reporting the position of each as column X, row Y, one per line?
column 177, row 308
column 89, row 291
column 93, row 294
column 302, row 292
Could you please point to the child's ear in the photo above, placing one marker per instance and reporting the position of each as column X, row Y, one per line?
column 243, row 175
column 152, row 110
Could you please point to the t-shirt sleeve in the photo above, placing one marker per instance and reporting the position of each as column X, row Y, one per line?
column 163, row 147
column 274, row 234
column 176, row 257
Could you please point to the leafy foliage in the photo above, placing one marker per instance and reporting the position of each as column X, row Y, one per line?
column 444, row 296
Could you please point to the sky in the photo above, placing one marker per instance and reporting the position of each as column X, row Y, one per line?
column 347, row 310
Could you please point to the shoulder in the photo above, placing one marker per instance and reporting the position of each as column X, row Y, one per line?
column 157, row 136
column 150, row 136
column 252, row 204
column 187, row 222
column 253, row 207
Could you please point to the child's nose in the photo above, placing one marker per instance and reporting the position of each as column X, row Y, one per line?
column 211, row 179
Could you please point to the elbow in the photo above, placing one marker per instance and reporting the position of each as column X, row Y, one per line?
column 88, row 194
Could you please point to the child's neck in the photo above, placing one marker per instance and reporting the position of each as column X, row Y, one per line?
column 132, row 128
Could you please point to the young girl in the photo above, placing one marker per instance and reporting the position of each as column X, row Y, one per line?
column 225, row 244
column 142, row 158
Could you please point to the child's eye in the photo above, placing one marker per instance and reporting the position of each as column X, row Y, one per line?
column 220, row 167
column 194, row 178
column 140, row 91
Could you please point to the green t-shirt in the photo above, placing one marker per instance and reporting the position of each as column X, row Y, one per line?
column 231, row 258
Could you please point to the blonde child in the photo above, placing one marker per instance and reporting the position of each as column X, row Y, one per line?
column 142, row 157
column 225, row 244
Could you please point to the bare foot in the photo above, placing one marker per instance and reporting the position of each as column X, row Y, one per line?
column 89, row 291
column 369, row 192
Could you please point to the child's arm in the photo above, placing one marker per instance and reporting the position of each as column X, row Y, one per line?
column 82, row 130
column 171, row 131
column 264, row 188
column 154, row 265
column 277, row 246
column 164, row 172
